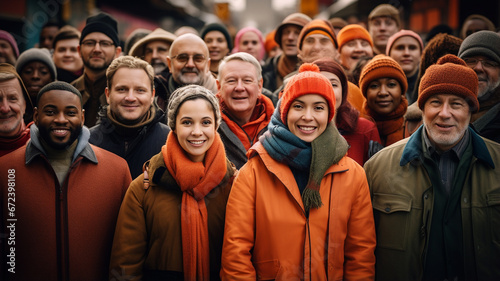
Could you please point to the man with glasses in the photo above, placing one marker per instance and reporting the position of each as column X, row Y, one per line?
column 481, row 52
column 189, row 63
column 99, row 46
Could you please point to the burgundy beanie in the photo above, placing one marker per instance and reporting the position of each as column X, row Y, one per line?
column 330, row 65
column 318, row 25
column 307, row 81
column 399, row 34
column 297, row 19
column 9, row 38
column 382, row 66
column 450, row 75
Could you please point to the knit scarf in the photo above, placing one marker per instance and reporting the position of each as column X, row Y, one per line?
column 196, row 180
column 286, row 65
column 131, row 129
column 317, row 156
column 390, row 123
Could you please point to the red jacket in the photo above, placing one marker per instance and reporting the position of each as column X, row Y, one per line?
column 61, row 232
column 359, row 140
column 268, row 236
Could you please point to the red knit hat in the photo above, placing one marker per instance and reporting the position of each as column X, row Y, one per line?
column 382, row 66
column 450, row 75
column 351, row 32
column 323, row 26
column 308, row 81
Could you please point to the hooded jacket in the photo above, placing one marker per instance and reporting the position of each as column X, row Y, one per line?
column 403, row 203
column 61, row 232
column 135, row 145
column 268, row 235
column 148, row 244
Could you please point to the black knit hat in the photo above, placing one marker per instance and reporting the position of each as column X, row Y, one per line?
column 58, row 85
column 103, row 23
column 217, row 27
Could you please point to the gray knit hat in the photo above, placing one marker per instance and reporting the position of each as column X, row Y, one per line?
column 191, row 92
column 35, row 54
column 482, row 43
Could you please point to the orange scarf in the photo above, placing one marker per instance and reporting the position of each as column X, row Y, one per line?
column 248, row 134
column 196, row 180
column 390, row 126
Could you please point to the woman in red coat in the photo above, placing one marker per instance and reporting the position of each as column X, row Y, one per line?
column 299, row 208
column 360, row 133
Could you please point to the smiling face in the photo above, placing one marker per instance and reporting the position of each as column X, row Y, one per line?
column 98, row 57
column 188, row 60
column 383, row 95
column 155, row 53
column 352, row 51
column 130, row 96
column 488, row 74
column 195, row 128
column 12, row 108
column 59, row 118
column 35, row 75
column 446, row 117
column 217, row 45
column 240, row 88
column 337, row 87
column 66, row 55
column 317, row 46
column 307, row 117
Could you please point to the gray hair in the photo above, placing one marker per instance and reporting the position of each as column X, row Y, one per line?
column 191, row 92
column 241, row 56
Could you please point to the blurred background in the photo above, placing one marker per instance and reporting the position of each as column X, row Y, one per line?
column 25, row 18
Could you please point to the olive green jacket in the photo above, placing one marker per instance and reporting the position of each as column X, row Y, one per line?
column 402, row 197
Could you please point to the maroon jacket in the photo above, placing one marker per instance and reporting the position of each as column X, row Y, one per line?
column 61, row 232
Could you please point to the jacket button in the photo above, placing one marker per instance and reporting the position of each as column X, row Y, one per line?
column 465, row 200
column 388, row 209
column 426, row 196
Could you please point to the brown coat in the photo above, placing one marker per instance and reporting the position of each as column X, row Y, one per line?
column 148, row 233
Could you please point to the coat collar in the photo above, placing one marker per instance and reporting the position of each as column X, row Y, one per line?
column 413, row 148
column 34, row 147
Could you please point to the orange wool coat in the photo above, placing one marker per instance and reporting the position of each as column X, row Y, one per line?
column 268, row 236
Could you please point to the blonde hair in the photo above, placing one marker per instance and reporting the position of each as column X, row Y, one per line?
column 129, row 62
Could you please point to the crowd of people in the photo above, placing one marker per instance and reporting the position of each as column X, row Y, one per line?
column 319, row 151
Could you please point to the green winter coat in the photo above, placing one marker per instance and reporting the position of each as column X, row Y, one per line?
column 402, row 197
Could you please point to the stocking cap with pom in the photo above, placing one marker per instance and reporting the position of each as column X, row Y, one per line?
column 450, row 75
column 308, row 81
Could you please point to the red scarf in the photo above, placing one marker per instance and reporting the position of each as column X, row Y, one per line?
column 8, row 145
column 248, row 134
column 196, row 180
column 390, row 126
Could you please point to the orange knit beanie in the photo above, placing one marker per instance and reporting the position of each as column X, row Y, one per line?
column 351, row 32
column 317, row 25
column 382, row 66
column 450, row 75
column 307, row 81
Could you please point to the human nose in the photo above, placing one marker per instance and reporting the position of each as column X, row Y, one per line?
column 196, row 130
column 190, row 62
column 4, row 105
column 383, row 90
column 36, row 75
column 308, row 114
column 60, row 118
column 130, row 95
column 445, row 111
column 155, row 54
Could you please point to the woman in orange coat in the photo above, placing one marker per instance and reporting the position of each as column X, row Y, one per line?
column 383, row 83
column 299, row 208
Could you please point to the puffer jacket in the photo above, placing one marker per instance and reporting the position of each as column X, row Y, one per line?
column 147, row 243
column 402, row 197
column 269, row 236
